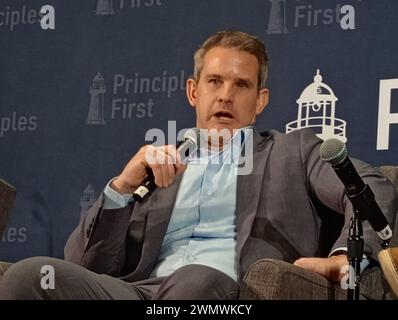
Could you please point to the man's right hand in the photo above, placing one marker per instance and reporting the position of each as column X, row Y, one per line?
column 164, row 162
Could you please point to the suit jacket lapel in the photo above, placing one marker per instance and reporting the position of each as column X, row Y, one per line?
column 159, row 208
column 249, row 189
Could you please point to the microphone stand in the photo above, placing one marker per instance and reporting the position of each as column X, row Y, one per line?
column 365, row 208
column 355, row 246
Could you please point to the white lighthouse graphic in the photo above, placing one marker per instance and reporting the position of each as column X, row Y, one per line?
column 87, row 200
column 104, row 7
column 277, row 17
column 96, row 106
column 316, row 110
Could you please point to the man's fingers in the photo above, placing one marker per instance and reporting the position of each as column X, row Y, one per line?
column 163, row 168
column 181, row 168
column 163, row 174
column 170, row 172
column 162, row 155
column 157, row 174
column 165, row 163
column 331, row 267
column 312, row 264
column 305, row 263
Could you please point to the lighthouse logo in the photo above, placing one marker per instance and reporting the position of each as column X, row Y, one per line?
column 316, row 110
column 87, row 200
column 95, row 114
column 104, row 7
column 277, row 17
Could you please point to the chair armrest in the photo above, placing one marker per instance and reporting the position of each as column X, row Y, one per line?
column 272, row 279
column 3, row 267
column 278, row 280
column 7, row 199
column 391, row 172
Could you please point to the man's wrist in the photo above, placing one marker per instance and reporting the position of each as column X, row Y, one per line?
column 121, row 187
column 341, row 259
column 338, row 252
column 344, row 251
column 114, row 199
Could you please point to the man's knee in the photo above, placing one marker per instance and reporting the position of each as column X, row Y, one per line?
column 199, row 282
column 30, row 278
column 200, row 274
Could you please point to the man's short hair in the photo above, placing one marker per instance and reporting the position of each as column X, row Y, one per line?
column 239, row 40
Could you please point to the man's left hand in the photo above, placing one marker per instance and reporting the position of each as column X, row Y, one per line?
column 331, row 267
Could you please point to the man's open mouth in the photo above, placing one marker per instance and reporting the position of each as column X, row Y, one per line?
column 224, row 115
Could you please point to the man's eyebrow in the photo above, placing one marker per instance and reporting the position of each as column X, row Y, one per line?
column 248, row 81
column 213, row 75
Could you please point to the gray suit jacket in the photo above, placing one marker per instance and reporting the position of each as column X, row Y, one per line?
column 292, row 205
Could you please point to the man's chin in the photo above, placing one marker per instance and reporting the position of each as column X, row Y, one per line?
column 218, row 135
column 222, row 126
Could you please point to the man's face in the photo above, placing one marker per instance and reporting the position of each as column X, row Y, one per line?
column 226, row 94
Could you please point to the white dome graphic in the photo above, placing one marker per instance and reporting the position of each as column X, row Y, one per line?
column 316, row 110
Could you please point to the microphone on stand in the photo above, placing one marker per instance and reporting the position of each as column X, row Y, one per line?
column 184, row 149
column 361, row 196
column 365, row 208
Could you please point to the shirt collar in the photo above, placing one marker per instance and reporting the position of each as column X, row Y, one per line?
column 235, row 144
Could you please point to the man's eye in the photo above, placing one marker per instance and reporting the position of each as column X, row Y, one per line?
column 215, row 81
column 242, row 85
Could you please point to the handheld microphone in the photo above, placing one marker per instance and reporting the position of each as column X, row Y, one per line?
column 184, row 149
column 360, row 194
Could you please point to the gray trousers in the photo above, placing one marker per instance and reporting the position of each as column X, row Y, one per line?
column 24, row 280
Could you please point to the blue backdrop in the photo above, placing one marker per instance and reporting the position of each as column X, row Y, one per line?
column 82, row 82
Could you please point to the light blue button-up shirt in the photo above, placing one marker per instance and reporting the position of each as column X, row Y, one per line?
column 202, row 225
column 202, row 228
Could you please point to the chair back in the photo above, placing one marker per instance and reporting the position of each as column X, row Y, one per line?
column 7, row 200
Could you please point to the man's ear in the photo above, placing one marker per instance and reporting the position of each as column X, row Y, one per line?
column 191, row 91
column 262, row 100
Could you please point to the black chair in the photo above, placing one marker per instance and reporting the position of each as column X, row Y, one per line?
column 7, row 200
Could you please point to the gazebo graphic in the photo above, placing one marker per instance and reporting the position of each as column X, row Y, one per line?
column 316, row 110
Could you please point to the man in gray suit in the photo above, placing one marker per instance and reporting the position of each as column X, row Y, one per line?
column 201, row 229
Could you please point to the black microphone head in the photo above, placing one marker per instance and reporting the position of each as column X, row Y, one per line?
column 333, row 151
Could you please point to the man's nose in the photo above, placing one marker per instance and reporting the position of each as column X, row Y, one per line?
column 226, row 94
